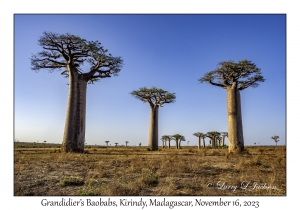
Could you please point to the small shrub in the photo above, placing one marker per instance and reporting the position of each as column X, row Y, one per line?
column 85, row 193
column 279, row 160
column 149, row 178
column 257, row 160
column 71, row 180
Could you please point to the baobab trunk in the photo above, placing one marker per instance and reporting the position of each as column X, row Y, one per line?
column 203, row 142
column 163, row 143
column 169, row 145
column 153, row 128
column 199, row 142
column 213, row 142
column 74, row 133
column 177, row 144
column 223, row 141
column 235, row 127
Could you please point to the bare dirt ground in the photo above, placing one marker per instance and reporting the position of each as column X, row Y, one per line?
column 134, row 171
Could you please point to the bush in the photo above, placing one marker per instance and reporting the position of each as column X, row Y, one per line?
column 71, row 180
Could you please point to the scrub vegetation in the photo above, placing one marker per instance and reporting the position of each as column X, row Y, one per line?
column 44, row 170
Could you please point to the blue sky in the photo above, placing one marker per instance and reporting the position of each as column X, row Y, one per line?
column 167, row 51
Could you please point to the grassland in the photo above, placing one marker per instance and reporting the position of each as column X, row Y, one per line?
column 43, row 170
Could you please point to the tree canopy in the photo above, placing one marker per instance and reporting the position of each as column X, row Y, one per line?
column 154, row 96
column 66, row 51
column 199, row 134
column 244, row 72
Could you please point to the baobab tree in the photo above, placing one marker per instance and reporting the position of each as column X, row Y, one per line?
column 126, row 142
column 107, row 143
column 163, row 140
column 69, row 53
column 213, row 135
column 156, row 98
column 116, row 144
column 167, row 138
column 178, row 138
column 200, row 135
column 224, row 134
column 275, row 138
column 234, row 77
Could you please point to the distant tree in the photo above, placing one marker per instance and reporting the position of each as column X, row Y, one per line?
column 234, row 77
column 156, row 98
column 163, row 141
column 116, row 144
column 200, row 135
column 213, row 135
column 275, row 138
column 178, row 138
column 140, row 144
column 224, row 134
column 68, row 53
column 107, row 143
column 167, row 138
column 126, row 142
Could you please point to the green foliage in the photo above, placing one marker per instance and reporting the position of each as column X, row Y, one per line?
column 154, row 96
column 149, row 178
column 244, row 73
column 66, row 50
column 275, row 138
column 71, row 180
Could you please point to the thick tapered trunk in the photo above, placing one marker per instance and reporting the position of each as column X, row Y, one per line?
column 199, row 142
column 203, row 142
column 74, row 133
column 213, row 142
column 223, row 141
column 235, row 127
column 169, row 145
column 177, row 144
column 153, row 128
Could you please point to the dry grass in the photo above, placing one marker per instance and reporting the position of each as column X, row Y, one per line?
column 136, row 171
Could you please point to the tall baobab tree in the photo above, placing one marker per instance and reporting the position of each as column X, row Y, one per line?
column 224, row 134
column 200, row 135
column 107, row 143
column 116, row 144
column 68, row 53
column 234, row 77
column 126, row 142
column 275, row 138
column 156, row 98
